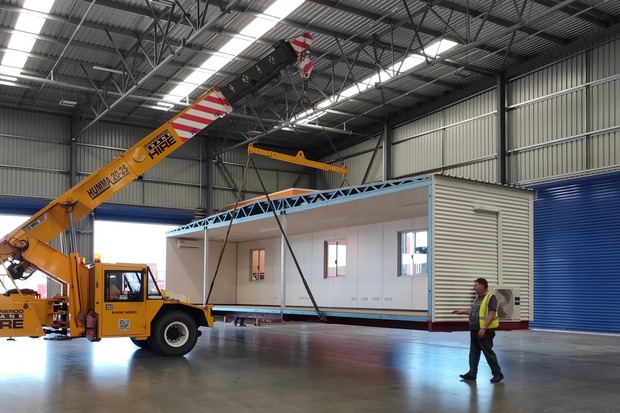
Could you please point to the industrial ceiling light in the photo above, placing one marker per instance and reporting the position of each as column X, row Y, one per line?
column 108, row 69
column 29, row 23
column 8, row 78
column 165, row 3
column 163, row 106
column 67, row 103
column 432, row 51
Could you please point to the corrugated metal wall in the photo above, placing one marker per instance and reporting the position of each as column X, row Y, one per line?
column 459, row 140
column 545, row 110
column 276, row 176
column 360, row 163
column 479, row 231
column 577, row 233
column 34, row 153
column 563, row 120
column 175, row 182
column 35, row 162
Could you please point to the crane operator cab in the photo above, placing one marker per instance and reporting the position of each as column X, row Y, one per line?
column 128, row 302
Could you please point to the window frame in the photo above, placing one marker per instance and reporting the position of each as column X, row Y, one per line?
column 415, row 234
column 261, row 275
column 125, row 291
column 341, row 246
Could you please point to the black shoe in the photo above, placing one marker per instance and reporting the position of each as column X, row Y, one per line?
column 468, row 376
column 497, row 378
column 242, row 325
column 235, row 323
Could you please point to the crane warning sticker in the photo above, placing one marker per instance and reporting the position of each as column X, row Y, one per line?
column 123, row 325
column 12, row 319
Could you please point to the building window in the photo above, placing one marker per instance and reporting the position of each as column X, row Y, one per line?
column 413, row 256
column 335, row 258
column 257, row 258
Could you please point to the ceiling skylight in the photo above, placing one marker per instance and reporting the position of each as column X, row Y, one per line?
column 235, row 46
column 29, row 24
column 431, row 51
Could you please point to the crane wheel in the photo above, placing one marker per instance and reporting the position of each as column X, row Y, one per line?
column 141, row 343
column 173, row 334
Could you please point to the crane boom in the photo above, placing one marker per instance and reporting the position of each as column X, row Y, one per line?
column 98, row 187
column 100, row 300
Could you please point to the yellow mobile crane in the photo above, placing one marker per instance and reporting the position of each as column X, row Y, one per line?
column 118, row 300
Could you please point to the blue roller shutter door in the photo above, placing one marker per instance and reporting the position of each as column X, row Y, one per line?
column 109, row 212
column 577, row 255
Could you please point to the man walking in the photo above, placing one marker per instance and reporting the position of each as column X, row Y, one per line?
column 482, row 324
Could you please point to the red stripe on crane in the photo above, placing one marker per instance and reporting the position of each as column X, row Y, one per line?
column 199, row 119
column 186, row 128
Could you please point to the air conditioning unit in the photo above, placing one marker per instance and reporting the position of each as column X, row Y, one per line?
column 508, row 303
column 188, row 243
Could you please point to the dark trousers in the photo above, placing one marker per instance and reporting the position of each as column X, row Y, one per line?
column 484, row 345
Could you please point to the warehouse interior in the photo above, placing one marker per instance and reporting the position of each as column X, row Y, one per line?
column 363, row 94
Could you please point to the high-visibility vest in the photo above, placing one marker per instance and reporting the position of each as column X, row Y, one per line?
column 484, row 312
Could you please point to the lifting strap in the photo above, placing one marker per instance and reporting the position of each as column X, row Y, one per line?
column 232, row 217
column 320, row 314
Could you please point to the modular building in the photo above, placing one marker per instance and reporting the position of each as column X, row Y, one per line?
column 401, row 252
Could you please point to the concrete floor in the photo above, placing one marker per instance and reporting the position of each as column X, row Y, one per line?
column 308, row 367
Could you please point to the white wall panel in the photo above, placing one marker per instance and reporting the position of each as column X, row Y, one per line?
column 296, row 295
column 258, row 292
column 322, row 288
column 396, row 290
column 370, row 269
column 345, row 288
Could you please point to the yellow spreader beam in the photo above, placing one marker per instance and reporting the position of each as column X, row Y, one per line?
column 299, row 159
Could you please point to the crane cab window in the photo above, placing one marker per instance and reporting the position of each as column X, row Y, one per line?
column 124, row 286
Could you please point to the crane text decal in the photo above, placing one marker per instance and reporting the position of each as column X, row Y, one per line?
column 108, row 182
column 159, row 144
column 36, row 222
column 12, row 319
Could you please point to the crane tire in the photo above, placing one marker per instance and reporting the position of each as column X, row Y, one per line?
column 173, row 334
column 141, row 343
